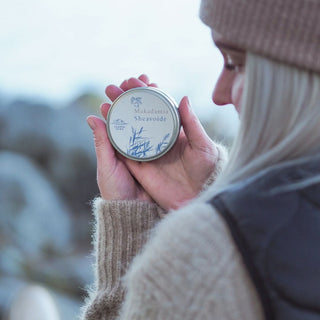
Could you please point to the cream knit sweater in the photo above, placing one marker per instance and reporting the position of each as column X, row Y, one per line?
column 189, row 268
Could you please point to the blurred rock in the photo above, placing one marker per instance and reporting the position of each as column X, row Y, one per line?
column 59, row 141
column 68, row 307
column 73, row 166
column 33, row 302
column 34, row 221
column 9, row 288
column 47, row 180
column 36, row 236
column 24, row 129
column 69, row 274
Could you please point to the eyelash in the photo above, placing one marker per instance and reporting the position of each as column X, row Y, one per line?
column 229, row 65
column 232, row 67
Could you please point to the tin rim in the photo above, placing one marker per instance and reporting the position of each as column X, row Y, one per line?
column 173, row 108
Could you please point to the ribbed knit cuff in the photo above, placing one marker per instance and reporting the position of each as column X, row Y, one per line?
column 220, row 164
column 122, row 228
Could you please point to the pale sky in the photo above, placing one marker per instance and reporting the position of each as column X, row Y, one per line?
column 53, row 49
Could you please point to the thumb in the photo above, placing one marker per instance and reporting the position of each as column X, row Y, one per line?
column 103, row 147
column 192, row 127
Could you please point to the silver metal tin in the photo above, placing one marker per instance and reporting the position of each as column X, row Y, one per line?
column 143, row 123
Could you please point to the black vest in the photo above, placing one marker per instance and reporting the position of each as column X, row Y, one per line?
column 278, row 235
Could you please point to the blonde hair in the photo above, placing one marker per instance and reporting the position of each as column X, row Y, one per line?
column 279, row 119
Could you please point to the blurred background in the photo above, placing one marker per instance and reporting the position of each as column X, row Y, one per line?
column 56, row 58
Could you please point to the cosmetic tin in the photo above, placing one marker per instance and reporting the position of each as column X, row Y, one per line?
column 143, row 123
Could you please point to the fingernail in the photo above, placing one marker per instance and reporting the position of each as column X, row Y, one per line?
column 91, row 123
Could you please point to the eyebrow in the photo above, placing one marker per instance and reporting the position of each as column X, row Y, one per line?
column 225, row 46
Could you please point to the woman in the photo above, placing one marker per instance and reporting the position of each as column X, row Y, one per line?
column 242, row 243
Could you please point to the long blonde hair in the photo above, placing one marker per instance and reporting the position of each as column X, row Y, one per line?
column 279, row 119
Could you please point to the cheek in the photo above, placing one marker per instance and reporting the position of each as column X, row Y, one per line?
column 237, row 90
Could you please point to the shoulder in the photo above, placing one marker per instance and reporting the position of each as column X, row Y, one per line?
column 191, row 260
column 196, row 226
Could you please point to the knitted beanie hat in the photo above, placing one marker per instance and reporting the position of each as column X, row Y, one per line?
column 284, row 30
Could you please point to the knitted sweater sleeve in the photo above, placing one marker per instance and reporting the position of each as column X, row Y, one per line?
column 190, row 269
column 220, row 164
column 122, row 228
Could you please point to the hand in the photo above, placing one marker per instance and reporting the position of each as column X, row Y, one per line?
column 171, row 180
column 114, row 179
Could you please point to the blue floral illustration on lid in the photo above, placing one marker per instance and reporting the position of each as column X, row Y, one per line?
column 136, row 101
column 163, row 144
column 140, row 146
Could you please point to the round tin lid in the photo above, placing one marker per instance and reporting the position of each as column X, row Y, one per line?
column 143, row 123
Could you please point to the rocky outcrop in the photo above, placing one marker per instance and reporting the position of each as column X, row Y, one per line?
column 47, row 180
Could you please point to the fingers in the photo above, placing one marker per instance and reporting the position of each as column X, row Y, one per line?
column 124, row 85
column 134, row 83
column 193, row 129
column 104, row 108
column 144, row 78
column 104, row 149
column 113, row 92
column 142, row 81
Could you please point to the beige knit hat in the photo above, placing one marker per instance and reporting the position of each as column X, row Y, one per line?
column 285, row 30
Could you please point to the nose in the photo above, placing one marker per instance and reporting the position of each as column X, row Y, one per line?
column 222, row 91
